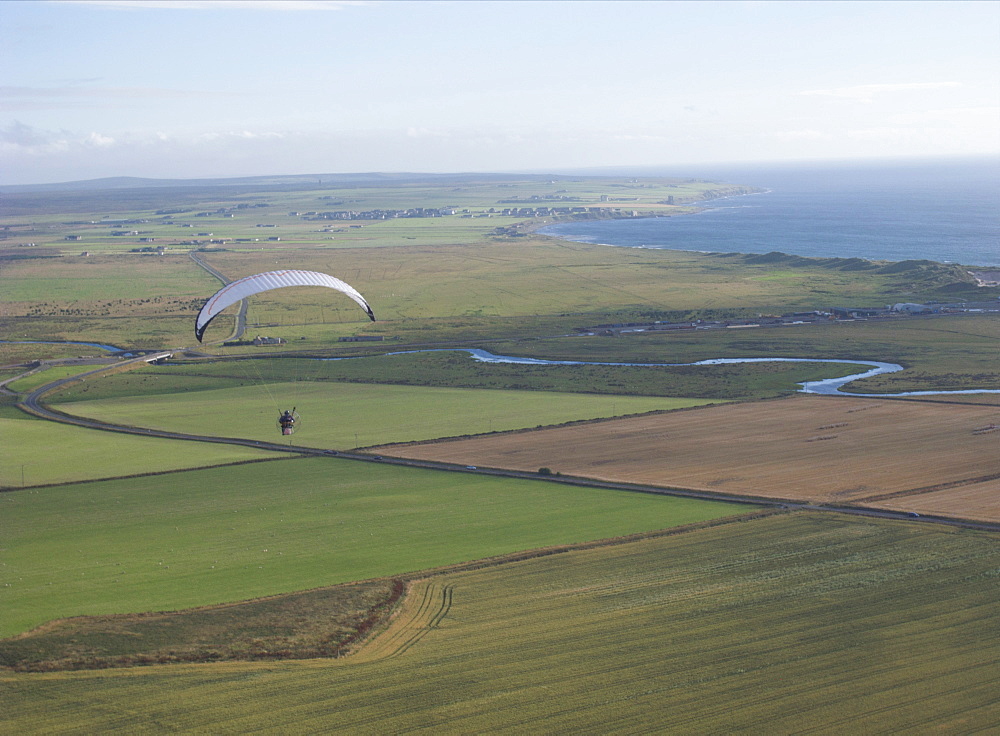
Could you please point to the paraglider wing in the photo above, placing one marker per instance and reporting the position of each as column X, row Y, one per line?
column 241, row 289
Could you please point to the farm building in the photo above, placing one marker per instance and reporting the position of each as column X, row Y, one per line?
column 911, row 308
column 268, row 340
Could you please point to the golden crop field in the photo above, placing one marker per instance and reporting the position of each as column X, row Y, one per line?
column 979, row 501
column 813, row 448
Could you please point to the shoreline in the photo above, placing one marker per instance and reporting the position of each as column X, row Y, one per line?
column 822, row 223
column 598, row 213
column 985, row 276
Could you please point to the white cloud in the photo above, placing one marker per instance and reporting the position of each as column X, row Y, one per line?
column 17, row 99
column 888, row 134
column 987, row 116
column 99, row 140
column 640, row 137
column 868, row 92
column 18, row 134
column 33, row 155
column 10, row 92
column 26, row 140
column 414, row 132
column 280, row 5
column 223, row 135
column 801, row 135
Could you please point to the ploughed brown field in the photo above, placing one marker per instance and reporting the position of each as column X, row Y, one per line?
column 931, row 457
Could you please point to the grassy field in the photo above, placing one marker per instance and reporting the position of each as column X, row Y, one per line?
column 36, row 380
column 347, row 415
column 455, row 368
column 324, row 622
column 533, row 292
column 274, row 202
column 816, row 448
column 941, row 353
column 536, row 276
column 270, row 218
column 224, row 534
column 504, row 289
column 17, row 354
column 36, row 452
column 806, row 623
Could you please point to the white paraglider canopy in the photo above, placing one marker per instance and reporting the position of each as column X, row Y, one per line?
column 241, row 289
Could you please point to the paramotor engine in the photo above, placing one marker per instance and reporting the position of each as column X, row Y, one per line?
column 245, row 287
column 288, row 421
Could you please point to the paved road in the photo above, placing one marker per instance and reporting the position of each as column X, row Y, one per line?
column 241, row 316
column 32, row 404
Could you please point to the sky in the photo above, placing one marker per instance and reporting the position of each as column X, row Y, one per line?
column 222, row 88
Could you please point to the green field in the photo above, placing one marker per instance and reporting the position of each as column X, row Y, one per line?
column 455, row 368
column 805, row 623
column 347, row 415
column 36, row 380
column 477, row 287
column 187, row 539
column 322, row 622
column 943, row 353
column 269, row 218
column 36, row 452
column 483, row 282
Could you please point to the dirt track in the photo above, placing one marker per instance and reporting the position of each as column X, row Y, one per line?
column 813, row 448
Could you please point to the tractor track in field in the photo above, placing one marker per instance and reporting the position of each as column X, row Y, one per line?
column 411, row 626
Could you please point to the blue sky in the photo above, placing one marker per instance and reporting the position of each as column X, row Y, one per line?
column 186, row 88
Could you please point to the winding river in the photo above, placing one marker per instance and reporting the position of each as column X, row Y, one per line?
column 109, row 348
column 825, row 386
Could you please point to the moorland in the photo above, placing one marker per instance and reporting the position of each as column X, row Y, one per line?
column 163, row 584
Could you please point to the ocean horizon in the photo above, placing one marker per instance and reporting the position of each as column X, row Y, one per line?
column 945, row 210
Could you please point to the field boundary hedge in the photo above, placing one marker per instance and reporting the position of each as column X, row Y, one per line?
column 12, row 489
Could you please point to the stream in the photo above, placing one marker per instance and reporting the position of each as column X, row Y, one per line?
column 825, row 386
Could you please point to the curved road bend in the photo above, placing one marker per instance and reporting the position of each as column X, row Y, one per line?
column 31, row 404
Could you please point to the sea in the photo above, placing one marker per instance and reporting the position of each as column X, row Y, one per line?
column 945, row 210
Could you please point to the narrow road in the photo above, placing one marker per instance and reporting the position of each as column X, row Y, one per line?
column 241, row 315
column 32, row 404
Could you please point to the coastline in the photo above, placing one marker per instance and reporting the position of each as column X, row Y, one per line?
column 599, row 213
column 937, row 212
